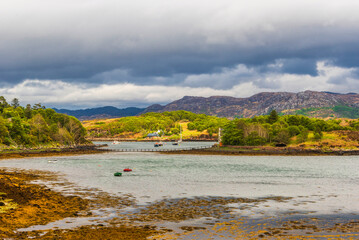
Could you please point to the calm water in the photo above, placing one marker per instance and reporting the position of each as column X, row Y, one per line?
column 320, row 183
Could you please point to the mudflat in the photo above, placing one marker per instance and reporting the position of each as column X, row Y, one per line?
column 23, row 204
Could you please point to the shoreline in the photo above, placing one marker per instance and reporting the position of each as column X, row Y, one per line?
column 266, row 151
column 24, row 204
column 147, row 140
column 48, row 152
column 224, row 151
column 37, row 204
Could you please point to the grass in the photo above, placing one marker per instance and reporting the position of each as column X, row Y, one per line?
column 187, row 134
column 329, row 136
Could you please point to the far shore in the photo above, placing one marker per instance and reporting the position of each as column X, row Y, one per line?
column 267, row 151
column 150, row 140
column 48, row 152
column 215, row 150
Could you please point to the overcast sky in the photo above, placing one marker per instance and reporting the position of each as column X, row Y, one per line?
column 87, row 53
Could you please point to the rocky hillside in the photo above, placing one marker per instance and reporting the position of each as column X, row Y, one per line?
column 263, row 103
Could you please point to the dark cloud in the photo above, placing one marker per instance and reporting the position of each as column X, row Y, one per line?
column 157, row 43
column 143, row 69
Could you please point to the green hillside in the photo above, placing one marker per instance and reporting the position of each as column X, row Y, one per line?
column 37, row 126
column 291, row 129
column 168, row 123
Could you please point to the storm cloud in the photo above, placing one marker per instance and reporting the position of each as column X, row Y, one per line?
column 214, row 45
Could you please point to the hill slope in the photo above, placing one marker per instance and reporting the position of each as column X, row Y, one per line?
column 37, row 126
column 329, row 104
column 168, row 124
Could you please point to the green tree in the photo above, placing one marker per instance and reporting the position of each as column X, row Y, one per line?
column 318, row 134
column 28, row 111
column 282, row 137
column 40, row 129
column 38, row 106
column 293, row 130
column 303, row 136
column 15, row 103
column 4, row 132
column 253, row 139
column 233, row 133
column 17, row 132
column 3, row 103
column 273, row 117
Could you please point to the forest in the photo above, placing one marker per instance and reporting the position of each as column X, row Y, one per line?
column 37, row 126
column 281, row 130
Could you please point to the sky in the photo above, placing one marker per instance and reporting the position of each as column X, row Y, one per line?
column 88, row 53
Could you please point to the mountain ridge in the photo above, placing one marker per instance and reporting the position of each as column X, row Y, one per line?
column 260, row 103
column 101, row 112
column 312, row 103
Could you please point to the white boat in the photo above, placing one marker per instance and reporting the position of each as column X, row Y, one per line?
column 115, row 142
column 180, row 140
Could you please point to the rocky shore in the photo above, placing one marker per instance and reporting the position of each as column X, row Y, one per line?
column 24, row 204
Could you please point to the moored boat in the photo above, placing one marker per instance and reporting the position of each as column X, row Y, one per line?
column 180, row 140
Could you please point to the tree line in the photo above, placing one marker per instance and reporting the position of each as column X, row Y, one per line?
column 37, row 125
column 274, row 129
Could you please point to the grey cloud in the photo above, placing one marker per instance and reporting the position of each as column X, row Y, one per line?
column 162, row 43
column 299, row 66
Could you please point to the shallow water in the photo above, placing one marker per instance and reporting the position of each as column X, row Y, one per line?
column 318, row 184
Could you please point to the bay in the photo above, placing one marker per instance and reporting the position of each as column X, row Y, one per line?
column 318, row 184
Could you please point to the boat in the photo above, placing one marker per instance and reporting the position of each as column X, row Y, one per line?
column 127, row 170
column 180, row 140
column 52, row 161
column 156, row 145
column 117, row 174
column 115, row 142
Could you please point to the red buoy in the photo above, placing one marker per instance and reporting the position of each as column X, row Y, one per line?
column 127, row 170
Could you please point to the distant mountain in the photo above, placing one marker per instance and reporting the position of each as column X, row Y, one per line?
column 101, row 112
column 311, row 103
